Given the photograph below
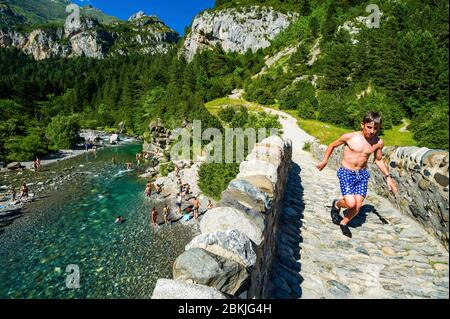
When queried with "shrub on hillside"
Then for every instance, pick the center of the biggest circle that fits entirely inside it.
(63, 131)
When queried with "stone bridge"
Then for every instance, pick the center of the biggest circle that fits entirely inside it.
(272, 235)
(391, 255)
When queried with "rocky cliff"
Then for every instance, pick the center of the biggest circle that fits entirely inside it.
(142, 34)
(235, 30)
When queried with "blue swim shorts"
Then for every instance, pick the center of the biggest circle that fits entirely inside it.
(353, 182)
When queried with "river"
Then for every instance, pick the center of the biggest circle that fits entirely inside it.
(74, 225)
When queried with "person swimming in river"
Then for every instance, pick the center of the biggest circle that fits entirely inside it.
(148, 189)
(154, 216)
(129, 165)
(114, 159)
(138, 158)
(119, 220)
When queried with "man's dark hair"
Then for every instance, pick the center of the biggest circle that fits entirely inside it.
(372, 117)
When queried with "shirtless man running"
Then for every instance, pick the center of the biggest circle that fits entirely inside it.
(353, 175)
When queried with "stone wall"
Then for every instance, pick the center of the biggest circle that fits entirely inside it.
(232, 256)
(422, 177)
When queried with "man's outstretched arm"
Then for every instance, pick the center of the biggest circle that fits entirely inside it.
(383, 168)
(342, 140)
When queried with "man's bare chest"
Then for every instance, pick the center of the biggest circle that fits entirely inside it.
(357, 145)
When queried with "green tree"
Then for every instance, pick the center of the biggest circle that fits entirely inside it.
(63, 131)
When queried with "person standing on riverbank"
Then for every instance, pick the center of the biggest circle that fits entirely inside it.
(13, 194)
(154, 217)
(24, 191)
(148, 189)
(196, 204)
(166, 212)
(36, 164)
(179, 201)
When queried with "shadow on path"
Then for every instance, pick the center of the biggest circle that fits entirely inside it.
(285, 277)
(361, 218)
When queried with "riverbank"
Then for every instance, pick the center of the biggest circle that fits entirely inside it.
(99, 139)
(73, 223)
(54, 174)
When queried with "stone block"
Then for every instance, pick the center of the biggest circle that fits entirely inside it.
(230, 244)
(199, 266)
(176, 289)
(227, 218)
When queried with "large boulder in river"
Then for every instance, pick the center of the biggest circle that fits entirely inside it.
(199, 266)
(114, 139)
(14, 165)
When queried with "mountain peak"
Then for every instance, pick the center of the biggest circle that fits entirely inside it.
(137, 16)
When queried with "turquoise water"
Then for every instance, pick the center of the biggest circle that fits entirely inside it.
(75, 226)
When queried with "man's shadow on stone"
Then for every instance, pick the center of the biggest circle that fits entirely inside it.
(361, 218)
(285, 277)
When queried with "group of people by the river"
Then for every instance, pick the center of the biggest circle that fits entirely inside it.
(146, 156)
(183, 195)
(24, 193)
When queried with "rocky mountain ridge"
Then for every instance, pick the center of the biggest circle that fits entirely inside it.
(236, 29)
(87, 37)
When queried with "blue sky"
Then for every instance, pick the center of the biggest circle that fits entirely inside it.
(177, 14)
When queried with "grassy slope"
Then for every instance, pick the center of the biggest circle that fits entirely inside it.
(214, 106)
(45, 11)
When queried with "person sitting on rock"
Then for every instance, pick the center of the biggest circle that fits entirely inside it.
(158, 189)
(210, 205)
(187, 189)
